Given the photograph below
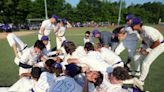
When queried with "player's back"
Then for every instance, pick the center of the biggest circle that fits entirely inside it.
(152, 33)
(95, 61)
(45, 81)
(65, 84)
(80, 52)
(109, 56)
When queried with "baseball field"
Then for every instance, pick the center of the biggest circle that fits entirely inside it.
(9, 70)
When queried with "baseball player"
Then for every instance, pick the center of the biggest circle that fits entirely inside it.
(66, 83)
(104, 37)
(26, 84)
(108, 56)
(116, 79)
(93, 59)
(47, 77)
(130, 41)
(15, 42)
(59, 32)
(87, 37)
(152, 46)
(46, 27)
(31, 57)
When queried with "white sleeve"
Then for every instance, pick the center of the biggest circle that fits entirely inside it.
(153, 35)
(61, 31)
(43, 24)
(48, 53)
(25, 57)
(11, 40)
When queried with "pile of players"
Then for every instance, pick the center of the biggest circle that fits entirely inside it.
(94, 67)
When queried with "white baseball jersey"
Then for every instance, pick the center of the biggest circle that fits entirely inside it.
(61, 31)
(107, 86)
(29, 57)
(95, 61)
(48, 27)
(13, 39)
(80, 52)
(109, 56)
(68, 56)
(24, 84)
(46, 79)
(65, 84)
(60, 36)
(150, 35)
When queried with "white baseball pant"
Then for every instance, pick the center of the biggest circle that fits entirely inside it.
(148, 60)
(59, 41)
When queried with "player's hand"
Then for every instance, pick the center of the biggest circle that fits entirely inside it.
(17, 56)
(35, 65)
(43, 58)
(144, 52)
(59, 51)
(138, 51)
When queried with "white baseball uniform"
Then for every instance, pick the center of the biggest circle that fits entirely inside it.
(29, 57)
(24, 84)
(44, 82)
(111, 58)
(65, 84)
(149, 35)
(13, 39)
(60, 37)
(48, 27)
(95, 61)
(80, 51)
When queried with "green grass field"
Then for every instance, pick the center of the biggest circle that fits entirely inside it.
(9, 71)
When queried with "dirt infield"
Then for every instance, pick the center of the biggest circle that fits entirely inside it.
(20, 33)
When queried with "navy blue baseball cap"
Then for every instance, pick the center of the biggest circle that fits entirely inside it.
(57, 65)
(44, 38)
(6, 28)
(64, 21)
(136, 21)
(94, 32)
(55, 17)
(129, 17)
(73, 69)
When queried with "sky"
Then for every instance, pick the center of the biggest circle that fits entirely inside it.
(128, 2)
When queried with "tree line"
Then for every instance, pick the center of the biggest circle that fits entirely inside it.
(18, 11)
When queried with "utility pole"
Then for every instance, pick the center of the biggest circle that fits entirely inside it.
(119, 15)
(45, 5)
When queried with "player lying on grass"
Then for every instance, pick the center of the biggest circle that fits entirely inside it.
(38, 80)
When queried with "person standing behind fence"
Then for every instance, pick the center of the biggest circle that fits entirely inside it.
(46, 27)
